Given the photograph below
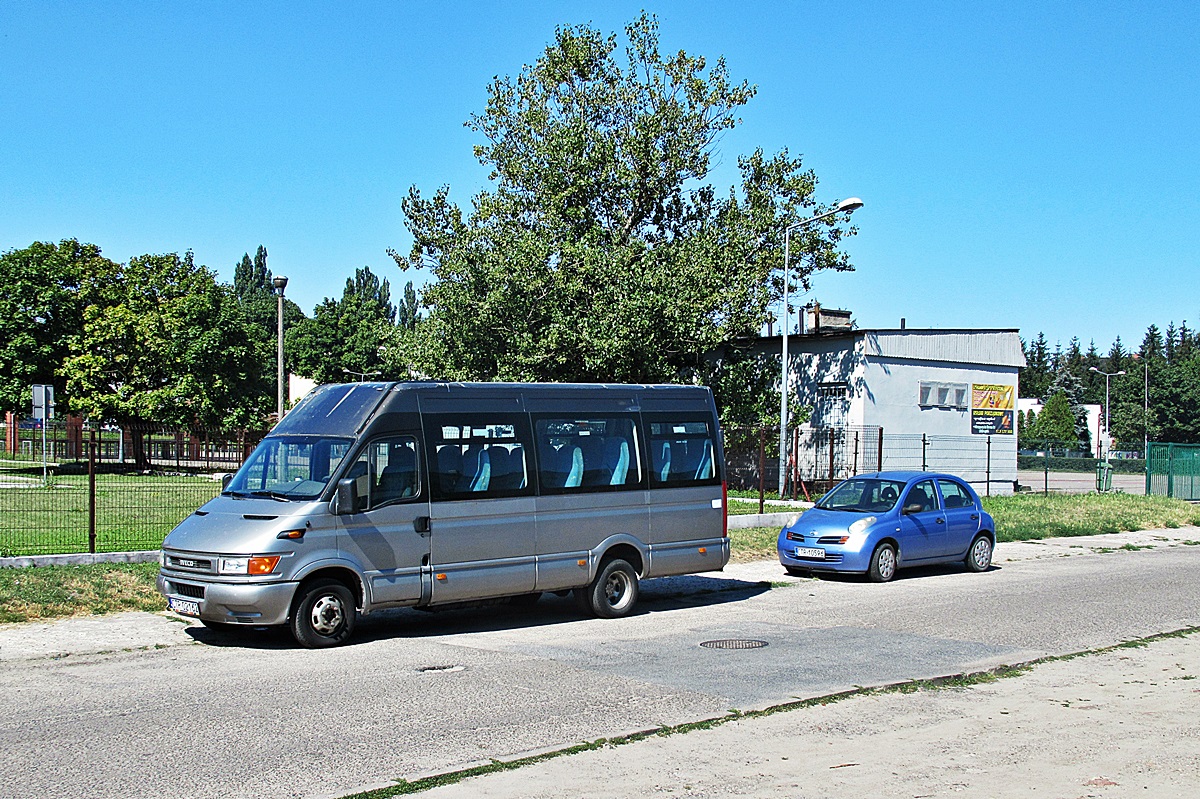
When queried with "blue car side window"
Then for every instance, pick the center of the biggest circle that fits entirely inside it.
(921, 495)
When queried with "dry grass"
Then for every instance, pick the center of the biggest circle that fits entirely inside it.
(55, 591)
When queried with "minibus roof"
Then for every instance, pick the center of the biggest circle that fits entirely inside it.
(343, 409)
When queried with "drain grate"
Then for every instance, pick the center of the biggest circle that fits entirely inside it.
(733, 643)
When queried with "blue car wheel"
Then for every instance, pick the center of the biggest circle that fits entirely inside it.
(883, 563)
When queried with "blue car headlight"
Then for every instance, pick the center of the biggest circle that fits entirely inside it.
(861, 525)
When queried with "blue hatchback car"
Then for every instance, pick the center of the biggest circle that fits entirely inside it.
(877, 523)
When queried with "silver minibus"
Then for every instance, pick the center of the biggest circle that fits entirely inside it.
(422, 494)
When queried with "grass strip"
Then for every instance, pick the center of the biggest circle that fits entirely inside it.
(966, 680)
(47, 592)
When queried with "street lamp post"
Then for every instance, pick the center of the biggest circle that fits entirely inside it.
(360, 375)
(1107, 418)
(848, 206)
(280, 282)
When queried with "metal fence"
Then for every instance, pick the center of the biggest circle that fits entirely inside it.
(139, 446)
(106, 490)
(816, 459)
(1173, 470)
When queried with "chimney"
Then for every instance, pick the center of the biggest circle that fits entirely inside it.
(901, 322)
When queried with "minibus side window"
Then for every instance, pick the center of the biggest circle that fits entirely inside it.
(587, 453)
(682, 453)
(474, 456)
(386, 472)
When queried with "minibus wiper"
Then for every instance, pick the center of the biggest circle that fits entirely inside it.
(278, 496)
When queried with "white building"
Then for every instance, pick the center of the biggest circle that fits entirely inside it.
(939, 400)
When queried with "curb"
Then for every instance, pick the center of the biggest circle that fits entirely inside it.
(81, 559)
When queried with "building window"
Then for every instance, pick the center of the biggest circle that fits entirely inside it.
(931, 394)
(833, 390)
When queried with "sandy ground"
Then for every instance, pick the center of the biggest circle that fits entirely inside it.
(1121, 723)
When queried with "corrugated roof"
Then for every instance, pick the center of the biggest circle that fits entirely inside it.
(991, 347)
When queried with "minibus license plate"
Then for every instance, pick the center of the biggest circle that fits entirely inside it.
(184, 606)
(810, 552)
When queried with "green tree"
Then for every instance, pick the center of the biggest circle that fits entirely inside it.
(259, 306)
(407, 314)
(1067, 383)
(347, 334)
(1037, 374)
(600, 254)
(1056, 422)
(161, 343)
(39, 312)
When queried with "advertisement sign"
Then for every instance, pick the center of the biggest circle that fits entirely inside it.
(992, 408)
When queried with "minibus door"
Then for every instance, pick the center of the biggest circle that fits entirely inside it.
(389, 535)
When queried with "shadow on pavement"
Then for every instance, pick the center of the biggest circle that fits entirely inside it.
(656, 596)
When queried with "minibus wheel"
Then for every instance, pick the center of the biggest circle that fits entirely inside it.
(324, 614)
(613, 593)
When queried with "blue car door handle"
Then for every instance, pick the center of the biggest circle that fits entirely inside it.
(941, 521)
(974, 517)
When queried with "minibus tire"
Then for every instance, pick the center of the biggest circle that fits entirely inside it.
(324, 614)
(613, 593)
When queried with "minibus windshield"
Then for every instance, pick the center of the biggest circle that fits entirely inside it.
(289, 467)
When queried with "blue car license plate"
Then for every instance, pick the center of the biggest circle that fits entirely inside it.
(811, 553)
(183, 606)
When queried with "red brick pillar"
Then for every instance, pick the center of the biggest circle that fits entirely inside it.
(12, 442)
(75, 437)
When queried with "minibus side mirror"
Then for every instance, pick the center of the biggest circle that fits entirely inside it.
(347, 496)
(226, 479)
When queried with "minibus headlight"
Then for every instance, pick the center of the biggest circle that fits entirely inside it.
(162, 557)
(263, 564)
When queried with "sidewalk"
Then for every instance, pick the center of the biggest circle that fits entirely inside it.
(1121, 723)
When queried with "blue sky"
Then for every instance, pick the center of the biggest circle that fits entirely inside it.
(1024, 165)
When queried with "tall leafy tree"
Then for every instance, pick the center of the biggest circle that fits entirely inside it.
(600, 253)
(161, 342)
(40, 311)
(347, 334)
(255, 294)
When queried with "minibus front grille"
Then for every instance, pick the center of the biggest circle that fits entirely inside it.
(185, 563)
(183, 589)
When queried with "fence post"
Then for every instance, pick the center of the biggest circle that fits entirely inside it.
(92, 491)
(832, 433)
(762, 466)
(1046, 472)
(879, 464)
(795, 464)
(854, 469)
(988, 474)
(924, 446)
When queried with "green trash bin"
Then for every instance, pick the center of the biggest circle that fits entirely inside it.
(1104, 476)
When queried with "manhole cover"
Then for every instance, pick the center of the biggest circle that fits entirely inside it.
(734, 643)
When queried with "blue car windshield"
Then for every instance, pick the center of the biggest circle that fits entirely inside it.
(289, 467)
(863, 495)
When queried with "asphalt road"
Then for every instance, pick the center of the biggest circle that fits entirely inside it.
(172, 710)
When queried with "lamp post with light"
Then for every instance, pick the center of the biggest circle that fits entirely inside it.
(360, 375)
(280, 282)
(1107, 418)
(847, 206)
